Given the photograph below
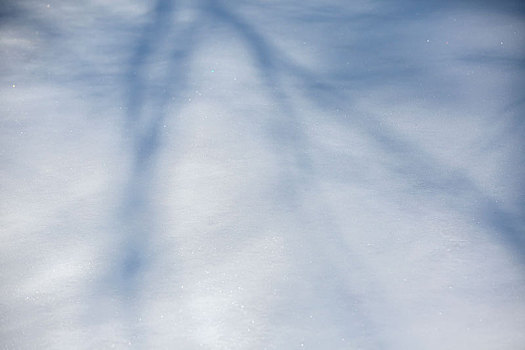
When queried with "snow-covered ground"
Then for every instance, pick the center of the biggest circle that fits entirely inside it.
(274, 174)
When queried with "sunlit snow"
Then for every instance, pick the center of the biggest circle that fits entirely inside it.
(278, 174)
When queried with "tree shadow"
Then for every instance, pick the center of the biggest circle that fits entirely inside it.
(148, 100)
(155, 76)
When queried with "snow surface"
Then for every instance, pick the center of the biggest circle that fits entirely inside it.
(271, 174)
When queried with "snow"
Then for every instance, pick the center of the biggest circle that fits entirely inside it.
(262, 175)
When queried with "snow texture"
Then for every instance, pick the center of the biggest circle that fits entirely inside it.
(277, 174)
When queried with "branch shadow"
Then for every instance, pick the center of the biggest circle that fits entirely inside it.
(150, 101)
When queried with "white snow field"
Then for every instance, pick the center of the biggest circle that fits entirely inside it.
(262, 174)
